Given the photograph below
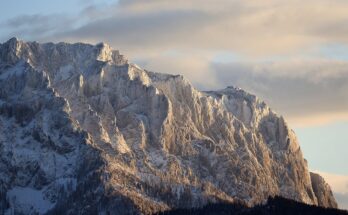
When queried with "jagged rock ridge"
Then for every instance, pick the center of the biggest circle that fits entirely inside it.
(82, 130)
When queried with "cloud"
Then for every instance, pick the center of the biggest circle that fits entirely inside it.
(195, 68)
(306, 92)
(141, 31)
(253, 28)
(36, 26)
(339, 186)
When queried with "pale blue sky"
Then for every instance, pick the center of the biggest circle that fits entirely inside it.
(19, 7)
(294, 55)
(326, 146)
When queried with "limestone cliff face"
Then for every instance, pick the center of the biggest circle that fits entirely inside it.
(83, 130)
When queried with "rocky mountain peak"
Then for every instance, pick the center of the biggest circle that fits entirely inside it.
(106, 54)
(80, 119)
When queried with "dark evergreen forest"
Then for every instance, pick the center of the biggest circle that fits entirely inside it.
(274, 206)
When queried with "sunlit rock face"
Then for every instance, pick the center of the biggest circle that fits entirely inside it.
(82, 130)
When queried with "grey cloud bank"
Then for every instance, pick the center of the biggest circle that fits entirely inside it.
(298, 89)
(254, 28)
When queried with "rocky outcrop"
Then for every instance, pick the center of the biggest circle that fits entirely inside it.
(322, 191)
(82, 130)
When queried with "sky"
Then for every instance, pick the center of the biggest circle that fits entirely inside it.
(292, 54)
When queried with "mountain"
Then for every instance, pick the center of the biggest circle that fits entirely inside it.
(83, 131)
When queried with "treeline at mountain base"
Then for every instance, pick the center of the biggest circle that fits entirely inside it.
(274, 206)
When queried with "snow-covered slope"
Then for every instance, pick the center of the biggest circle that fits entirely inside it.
(84, 131)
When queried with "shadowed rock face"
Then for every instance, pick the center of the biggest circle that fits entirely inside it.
(84, 131)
